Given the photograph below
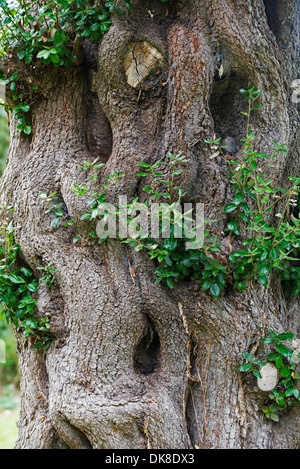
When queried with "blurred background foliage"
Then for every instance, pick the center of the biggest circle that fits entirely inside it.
(9, 376)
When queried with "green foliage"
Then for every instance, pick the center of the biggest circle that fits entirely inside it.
(21, 110)
(47, 31)
(175, 261)
(9, 369)
(287, 391)
(48, 278)
(17, 290)
(55, 208)
(251, 364)
(290, 278)
(95, 193)
(267, 247)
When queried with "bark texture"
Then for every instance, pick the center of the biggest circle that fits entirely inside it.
(136, 365)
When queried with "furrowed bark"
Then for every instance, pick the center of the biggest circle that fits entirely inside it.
(136, 365)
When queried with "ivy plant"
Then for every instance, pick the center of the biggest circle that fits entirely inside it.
(174, 260)
(47, 31)
(287, 390)
(48, 278)
(18, 288)
(267, 244)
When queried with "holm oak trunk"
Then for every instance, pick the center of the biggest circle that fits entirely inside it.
(136, 364)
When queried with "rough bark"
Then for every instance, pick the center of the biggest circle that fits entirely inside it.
(101, 384)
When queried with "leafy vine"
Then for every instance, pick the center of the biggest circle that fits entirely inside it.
(284, 360)
(264, 248)
(49, 32)
(18, 288)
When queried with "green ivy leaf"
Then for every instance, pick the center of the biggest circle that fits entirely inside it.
(206, 283)
(256, 373)
(16, 278)
(230, 208)
(263, 280)
(284, 351)
(286, 336)
(248, 356)
(285, 371)
(215, 290)
(26, 272)
(245, 367)
(27, 129)
(241, 286)
(170, 282)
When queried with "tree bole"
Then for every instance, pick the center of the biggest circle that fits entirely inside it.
(135, 364)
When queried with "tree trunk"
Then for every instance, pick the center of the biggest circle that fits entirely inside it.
(135, 364)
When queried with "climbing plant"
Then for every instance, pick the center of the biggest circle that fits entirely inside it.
(263, 247)
(18, 289)
(284, 359)
(49, 32)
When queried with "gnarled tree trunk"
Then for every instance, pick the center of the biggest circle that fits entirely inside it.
(135, 364)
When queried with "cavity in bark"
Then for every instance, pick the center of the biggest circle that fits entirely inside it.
(147, 353)
(98, 130)
(72, 436)
(272, 7)
(226, 105)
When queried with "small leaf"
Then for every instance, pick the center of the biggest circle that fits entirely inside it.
(230, 208)
(285, 371)
(286, 336)
(55, 222)
(206, 284)
(239, 197)
(278, 362)
(232, 226)
(264, 280)
(284, 351)
(16, 279)
(170, 282)
(26, 272)
(272, 356)
(274, 417)
(241, 286)
(256, 373)
(32, 287)
(245, 367)
(215, 290)
(248, 356)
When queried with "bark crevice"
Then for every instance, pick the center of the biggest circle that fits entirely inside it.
(146, 356)
(226, 106)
